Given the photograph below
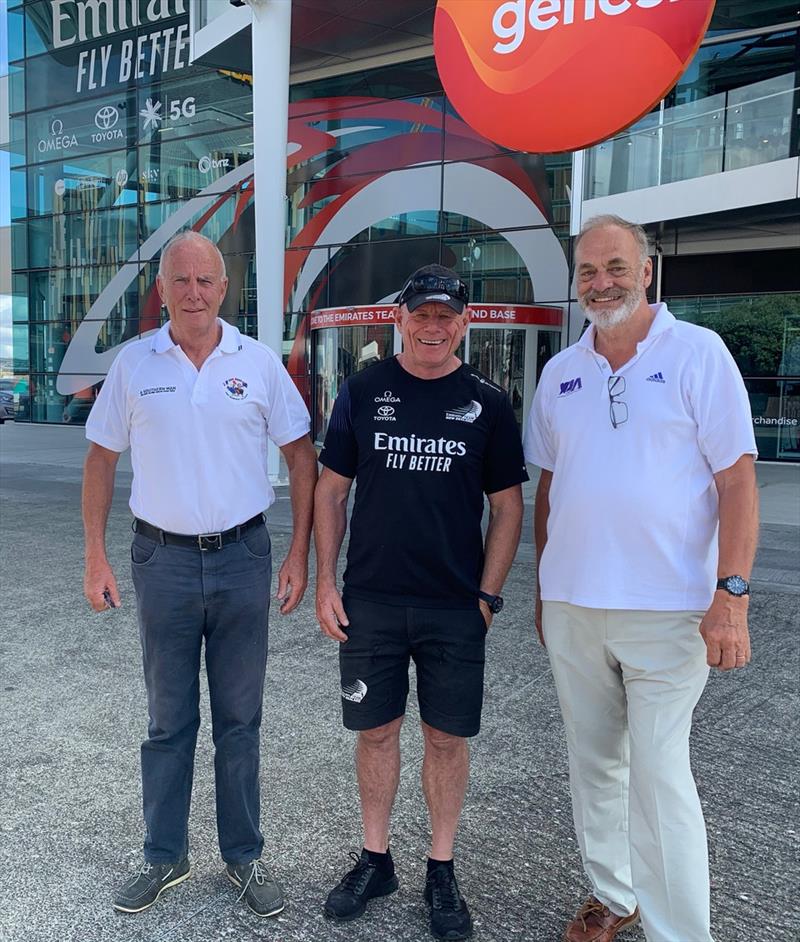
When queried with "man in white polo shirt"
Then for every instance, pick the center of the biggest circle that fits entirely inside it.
(645, 523)
(196, 403)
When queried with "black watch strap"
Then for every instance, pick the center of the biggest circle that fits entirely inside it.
(495, 602)
(734, 585)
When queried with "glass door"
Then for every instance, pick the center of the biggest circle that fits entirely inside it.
(499, 353)
(339, 352)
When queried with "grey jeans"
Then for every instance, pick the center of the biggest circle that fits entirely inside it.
(184, 596)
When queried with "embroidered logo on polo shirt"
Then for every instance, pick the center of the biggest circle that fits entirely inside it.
(354, 692)
(571, 386)
(656, 378)
(467, 413)
(157, 389)
(387, 397)
(235, 388)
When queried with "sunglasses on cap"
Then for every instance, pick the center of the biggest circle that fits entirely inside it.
(422, 284)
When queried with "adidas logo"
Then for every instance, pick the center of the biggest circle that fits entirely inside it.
(656, 378)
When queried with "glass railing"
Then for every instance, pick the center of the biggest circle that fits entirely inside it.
(739, 128)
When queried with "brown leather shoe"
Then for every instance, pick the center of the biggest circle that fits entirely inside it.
(596, 923)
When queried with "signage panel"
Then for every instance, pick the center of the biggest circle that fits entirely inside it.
(485, 315)
(97, 47)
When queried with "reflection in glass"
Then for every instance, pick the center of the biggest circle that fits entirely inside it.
(338, 353)
(759, 122)
(763, 334)
(75, 185)
(78, 239)
(742, 127)
(499, 353)
(179, 169)
(492, 267)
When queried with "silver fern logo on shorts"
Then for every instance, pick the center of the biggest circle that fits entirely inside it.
(354, 692)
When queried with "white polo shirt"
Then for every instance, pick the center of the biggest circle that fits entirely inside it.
(633, 509)
(198, 439)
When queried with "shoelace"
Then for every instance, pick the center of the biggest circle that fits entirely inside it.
(146, 868)
(590, 908)
(358, 877)
(259, 873)
(444, 892)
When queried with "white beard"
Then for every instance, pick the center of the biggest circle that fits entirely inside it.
(610, 318)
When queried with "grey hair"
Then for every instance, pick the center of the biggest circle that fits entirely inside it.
(602, 222)
(189, 235)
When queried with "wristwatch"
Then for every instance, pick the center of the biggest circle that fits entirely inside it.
(734, 585)
(495, 602)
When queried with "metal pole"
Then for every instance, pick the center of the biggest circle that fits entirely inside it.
(271, 33)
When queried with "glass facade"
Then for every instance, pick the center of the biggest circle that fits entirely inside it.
(763, 334)
(735, 106)
(117, 141)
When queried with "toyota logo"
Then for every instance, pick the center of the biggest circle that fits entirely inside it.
(385, 410)
(106, 117)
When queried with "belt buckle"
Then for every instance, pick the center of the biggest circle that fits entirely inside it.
(209, 541)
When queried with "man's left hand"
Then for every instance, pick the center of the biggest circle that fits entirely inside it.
(486, 612)
(724, 630)
(292, 581)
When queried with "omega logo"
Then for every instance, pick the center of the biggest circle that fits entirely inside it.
(57, 140)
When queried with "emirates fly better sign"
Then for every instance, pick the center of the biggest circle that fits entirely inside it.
(556, 75)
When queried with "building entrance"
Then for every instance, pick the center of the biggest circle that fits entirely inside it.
(508, 343)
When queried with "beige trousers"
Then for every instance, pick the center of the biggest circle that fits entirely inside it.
(628, 682)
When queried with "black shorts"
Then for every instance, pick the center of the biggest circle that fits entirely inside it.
(448, 647)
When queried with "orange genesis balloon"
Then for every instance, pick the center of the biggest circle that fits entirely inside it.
(555, 75)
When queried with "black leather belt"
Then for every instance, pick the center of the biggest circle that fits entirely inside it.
(203, 541)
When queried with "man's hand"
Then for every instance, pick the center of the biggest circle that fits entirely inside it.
(98, 579)
(724, 630)
(330, 611)
(538, 620)
(486, 612)
(292, 580)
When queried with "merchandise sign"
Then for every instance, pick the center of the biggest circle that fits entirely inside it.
(556, 75)
(495, 315)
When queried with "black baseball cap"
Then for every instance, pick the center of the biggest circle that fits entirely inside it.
(434, 283)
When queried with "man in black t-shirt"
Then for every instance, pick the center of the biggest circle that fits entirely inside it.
(425, 436)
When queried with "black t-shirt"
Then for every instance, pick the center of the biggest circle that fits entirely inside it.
(423, 452)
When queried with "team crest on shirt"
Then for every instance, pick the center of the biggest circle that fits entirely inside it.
(235, 388)
(467, 413)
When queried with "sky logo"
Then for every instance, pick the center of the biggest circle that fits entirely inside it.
(571, 386)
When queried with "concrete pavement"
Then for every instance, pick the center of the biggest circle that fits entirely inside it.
(74, 713)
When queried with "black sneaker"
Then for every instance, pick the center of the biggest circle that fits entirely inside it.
(262, 893)
(349, 898)
(449, 914)
(144, 888)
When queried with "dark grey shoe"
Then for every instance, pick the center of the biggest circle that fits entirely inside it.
(349, 898)
(144, 887)
(262, 893)
(450, 917)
